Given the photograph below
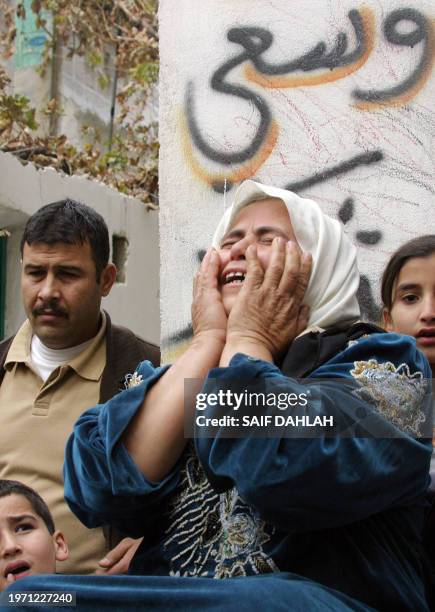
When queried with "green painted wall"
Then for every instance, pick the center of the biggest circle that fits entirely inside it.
(30, 40)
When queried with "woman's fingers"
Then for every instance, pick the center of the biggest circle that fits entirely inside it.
(198, 276)
(275, 269)
(208, 313)
(212, 270)
(207, 275)
(299, 286)
(268, 309)
(254, 272)
(291, 270)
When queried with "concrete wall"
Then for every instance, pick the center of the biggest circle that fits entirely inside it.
(83, 101)
(333, 99)
(81, 98)
(23, 190)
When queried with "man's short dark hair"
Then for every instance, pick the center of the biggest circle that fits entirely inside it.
(13, 487)
(70, 222)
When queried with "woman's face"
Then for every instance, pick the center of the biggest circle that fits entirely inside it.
(257, 223)
(413, 304)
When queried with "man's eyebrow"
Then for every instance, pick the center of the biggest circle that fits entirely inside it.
(31, 266)
(70, 268)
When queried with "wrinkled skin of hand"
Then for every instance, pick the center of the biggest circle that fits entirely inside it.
(208, 314)
(268, 311)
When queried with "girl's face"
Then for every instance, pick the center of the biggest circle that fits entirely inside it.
(413, 305)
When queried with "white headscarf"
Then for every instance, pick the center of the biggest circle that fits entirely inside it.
(331, 291)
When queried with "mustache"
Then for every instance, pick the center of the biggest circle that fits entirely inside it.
(52, 308)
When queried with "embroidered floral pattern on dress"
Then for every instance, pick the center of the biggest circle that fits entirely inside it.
(213, 534)
(396, 393)
(132, 380)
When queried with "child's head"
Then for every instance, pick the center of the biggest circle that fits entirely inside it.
(29, 543)
(408, 293)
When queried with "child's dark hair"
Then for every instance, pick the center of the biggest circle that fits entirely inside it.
(13, 487)
(423, 246)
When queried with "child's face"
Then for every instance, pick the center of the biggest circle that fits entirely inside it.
(413, 309)
(26, 546)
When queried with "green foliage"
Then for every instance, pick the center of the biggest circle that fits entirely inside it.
(145, 73)
(125, 29)
(15, 109)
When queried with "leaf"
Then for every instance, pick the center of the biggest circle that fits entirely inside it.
(30, 119)
(95, 30)
(94, 58)
(103, 81)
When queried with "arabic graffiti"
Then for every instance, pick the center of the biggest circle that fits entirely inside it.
(220, 181)
(346, 211)
(359, 160)
(328, 66)
(219, 83)
(256, 41)
(338, 63)
(370, 310)
(405, 91)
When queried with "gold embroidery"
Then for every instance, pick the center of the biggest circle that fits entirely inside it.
(396, 393)
(132, 380)
(213, 534)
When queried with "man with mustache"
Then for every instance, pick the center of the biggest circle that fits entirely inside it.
(66, 357)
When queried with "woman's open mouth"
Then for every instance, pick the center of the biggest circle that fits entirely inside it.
(233, 278)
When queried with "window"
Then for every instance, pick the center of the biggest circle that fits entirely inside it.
(119, 257)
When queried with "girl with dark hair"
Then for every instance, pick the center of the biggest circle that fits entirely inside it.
(408, 297)
(408, 293)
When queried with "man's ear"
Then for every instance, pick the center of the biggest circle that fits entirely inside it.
(108, 277)
(386, 321)
(61, 546)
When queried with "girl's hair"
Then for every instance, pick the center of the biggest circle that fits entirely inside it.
(423, 246)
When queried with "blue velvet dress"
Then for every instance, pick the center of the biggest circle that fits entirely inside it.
(322, 522)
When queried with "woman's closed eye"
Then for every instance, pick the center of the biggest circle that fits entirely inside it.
(227, 244)
(266, 239)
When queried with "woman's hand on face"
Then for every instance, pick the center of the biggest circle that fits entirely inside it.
(208, 314)
(268, 312)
